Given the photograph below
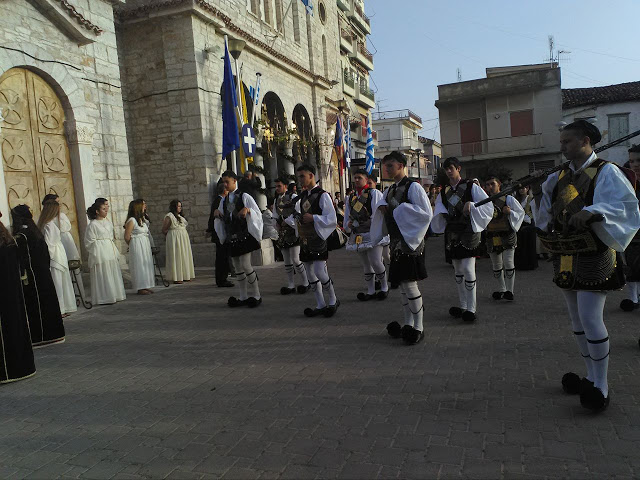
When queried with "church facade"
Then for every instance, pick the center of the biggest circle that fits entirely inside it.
(122, 100)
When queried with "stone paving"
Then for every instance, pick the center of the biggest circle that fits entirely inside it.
(173, 386)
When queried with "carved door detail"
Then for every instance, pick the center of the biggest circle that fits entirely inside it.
(35, 154)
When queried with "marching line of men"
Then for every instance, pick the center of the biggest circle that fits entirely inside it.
(586, 215)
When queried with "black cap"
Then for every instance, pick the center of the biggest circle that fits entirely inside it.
(587, 129)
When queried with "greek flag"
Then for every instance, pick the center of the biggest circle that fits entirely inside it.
(309, 6)
(370, 158)
(347, 154)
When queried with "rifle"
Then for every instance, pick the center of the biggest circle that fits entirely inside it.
(529, 179)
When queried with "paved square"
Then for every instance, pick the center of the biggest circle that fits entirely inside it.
(177, 385)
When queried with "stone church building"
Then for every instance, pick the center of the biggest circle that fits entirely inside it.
(122, 99)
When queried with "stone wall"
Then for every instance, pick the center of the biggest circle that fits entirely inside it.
(83, 69)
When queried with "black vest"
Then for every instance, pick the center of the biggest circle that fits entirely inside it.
(454, 200)
(360, 211)
(499, 224)
(233, 224)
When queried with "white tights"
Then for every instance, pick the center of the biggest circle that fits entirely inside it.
(586, 313)
(504, 266)
(245, 274)
(371, 259)
(319, 280)
(633, 289)
(412, 304)
(465, 270)
(292, 261)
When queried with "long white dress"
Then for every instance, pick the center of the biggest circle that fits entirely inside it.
(59, 267)
(179, 256)
(106, 277)
(69, 244)
(140, 257)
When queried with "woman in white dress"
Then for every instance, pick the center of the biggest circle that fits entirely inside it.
(179, 257)
(136, 234)
(59, 262)
(107, 286)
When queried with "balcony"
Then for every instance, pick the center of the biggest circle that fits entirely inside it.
(363, 56)
(359, 18)
(346, 40)
(404, 114)
(365, 96)
(348, 82)
(344, 5)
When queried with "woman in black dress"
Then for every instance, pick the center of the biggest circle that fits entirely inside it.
(43, 308)
(525, 256)
(16, 355)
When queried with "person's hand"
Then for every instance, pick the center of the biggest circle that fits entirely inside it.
(244, 212)
(467, 209)
(307, 218)
(506, 210)
(579, 220)
(217, 214)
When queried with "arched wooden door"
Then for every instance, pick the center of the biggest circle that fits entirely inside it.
(34, 148)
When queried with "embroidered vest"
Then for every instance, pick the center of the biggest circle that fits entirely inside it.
(396, 195)
(454, 200)
(500, 222)
(360, 211)
(309, 203)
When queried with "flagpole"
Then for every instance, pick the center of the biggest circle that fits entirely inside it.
(255, 101)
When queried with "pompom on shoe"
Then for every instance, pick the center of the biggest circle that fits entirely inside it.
(628, 305)
(456, 312)
(233, 302)
(508, 296)
(382, 295)
(287, 290)
(394, 330)
(302, 289)
(497, 295)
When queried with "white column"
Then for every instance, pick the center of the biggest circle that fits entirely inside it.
(259, 162)
(288, 165)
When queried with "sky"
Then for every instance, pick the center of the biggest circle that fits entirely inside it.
(420, 44)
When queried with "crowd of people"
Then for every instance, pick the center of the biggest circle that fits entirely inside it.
(35, 260)
(585, 214)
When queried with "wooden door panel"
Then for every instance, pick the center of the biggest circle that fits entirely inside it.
(53, 155)
(48, 108)
(14, 100)
(22, 189)
(17, 152)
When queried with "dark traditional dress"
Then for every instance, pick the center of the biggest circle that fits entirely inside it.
(283, 207)
(43, 308)
(526, 257)
(16, 354)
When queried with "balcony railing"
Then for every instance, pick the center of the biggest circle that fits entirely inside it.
(405, 113)
(366, 53)
(366, 91)
(360, 12)
(346, 34)
(349, 78)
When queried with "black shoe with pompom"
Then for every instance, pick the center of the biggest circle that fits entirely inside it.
(287, 290)
(456, 312)
(593, 399)
(627, 305)
(394, 330)
(303, 289)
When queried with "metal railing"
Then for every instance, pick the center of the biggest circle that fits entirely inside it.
(361, 13)
(349, 78)
(363, 50)
(366, 91)
(391, 114)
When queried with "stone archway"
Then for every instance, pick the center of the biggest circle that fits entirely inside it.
(274, 121)
(303, 148)
(35, 152)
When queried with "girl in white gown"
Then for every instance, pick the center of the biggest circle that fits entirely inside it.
(107, 286)
(179, 257)
(59, 262)
(136, 234)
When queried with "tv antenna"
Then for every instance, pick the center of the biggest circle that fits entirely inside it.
(459, 74)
